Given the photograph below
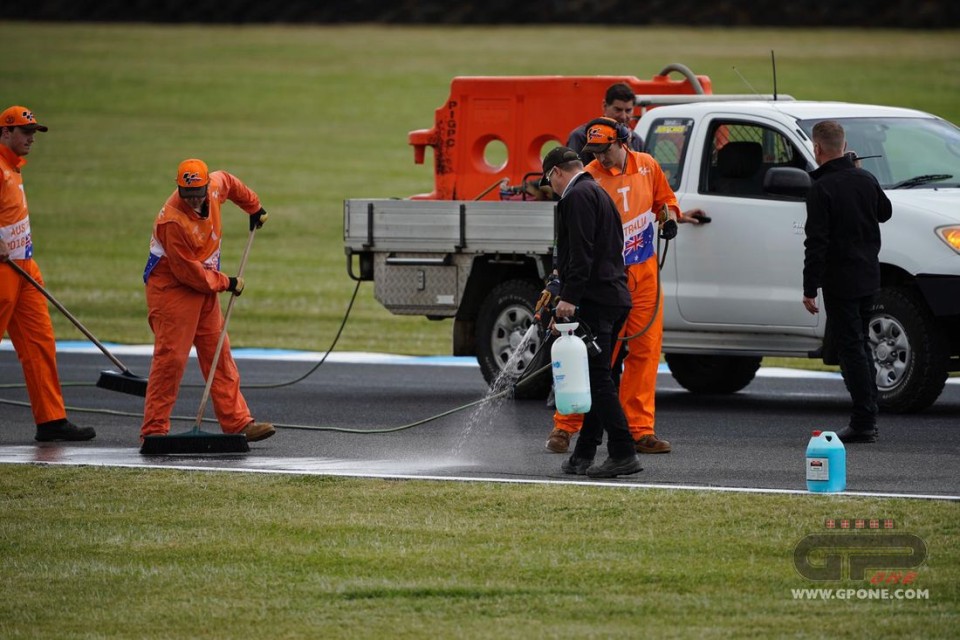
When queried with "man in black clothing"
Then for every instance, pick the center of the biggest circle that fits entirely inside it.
(845, 207)
(618, 104)
(594, 290)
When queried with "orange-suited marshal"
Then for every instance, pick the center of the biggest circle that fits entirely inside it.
(23, 309)
(183, 279)
(638, 187)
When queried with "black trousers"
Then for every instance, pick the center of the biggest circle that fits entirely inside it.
(849, 320)
(606, 414)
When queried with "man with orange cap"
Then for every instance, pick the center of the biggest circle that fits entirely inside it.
(183, 279)
(23, 309)
(643, 197)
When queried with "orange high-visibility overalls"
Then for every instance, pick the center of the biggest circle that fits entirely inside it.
(23, 309)
(639, 192)
(183, 279)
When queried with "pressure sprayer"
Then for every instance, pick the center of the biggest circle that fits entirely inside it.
(571, 371)
(570, 356)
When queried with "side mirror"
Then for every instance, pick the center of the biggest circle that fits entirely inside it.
(787, 181)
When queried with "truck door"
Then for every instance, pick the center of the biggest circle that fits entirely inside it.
(745, 267)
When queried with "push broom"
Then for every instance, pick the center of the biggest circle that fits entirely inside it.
(195, 440)
(123, 381)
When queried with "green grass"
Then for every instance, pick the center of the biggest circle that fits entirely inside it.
(93, 553)
(310, 116)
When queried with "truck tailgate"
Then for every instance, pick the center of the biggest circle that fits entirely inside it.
(448, 226)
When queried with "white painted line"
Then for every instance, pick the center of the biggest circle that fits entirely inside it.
(338, 467)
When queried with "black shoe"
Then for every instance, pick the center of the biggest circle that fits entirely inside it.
(576, 466)
(849, 434)
(612, 468)
(63, 430)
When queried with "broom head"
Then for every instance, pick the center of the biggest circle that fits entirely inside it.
(194, 442)
(124, 382)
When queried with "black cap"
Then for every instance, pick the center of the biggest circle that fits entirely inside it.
(557, 155)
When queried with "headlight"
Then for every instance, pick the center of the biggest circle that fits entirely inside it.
(950, 235)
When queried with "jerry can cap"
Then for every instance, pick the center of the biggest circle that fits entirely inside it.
(817, 433)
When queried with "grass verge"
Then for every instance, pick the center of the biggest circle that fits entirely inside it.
(165, 554)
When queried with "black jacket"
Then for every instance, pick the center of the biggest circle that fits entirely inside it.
(845, 207)
(590, 246)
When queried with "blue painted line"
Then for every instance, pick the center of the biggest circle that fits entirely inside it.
(361, 357)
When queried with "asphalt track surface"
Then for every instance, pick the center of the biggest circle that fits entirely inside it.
(754, 440)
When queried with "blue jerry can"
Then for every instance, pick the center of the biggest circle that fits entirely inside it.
(826, 463)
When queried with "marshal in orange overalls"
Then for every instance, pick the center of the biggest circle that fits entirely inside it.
(639, 191)
(23, 309)
(183, 279)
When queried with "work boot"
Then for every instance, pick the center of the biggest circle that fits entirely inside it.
(849, 434)
(256, 431)
(559, 441)
(576, 466)
(611, 468)
(63, 430)
(652, 444)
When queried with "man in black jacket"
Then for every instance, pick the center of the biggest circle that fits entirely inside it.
(594, 290)
(845, 207)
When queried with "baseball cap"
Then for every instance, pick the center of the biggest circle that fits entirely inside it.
(18, 116)
(192, 178)
(557, 155)
(599, 137)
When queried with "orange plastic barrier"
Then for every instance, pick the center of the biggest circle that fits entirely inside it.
(523, 113)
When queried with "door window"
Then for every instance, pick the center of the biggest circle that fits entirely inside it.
(739, 154)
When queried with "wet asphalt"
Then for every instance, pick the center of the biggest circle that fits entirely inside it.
(754, 439)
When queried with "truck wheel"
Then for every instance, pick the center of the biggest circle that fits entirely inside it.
(909, 350)
(503, 321)
(712, 374)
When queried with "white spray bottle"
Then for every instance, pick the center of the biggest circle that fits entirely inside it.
(571, 373)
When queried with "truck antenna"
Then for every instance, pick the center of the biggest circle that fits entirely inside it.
(773, 62)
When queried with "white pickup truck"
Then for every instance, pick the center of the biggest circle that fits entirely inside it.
(732, 287)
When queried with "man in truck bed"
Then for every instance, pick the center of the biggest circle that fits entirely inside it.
(618, 104)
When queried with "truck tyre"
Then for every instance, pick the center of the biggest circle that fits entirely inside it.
(504, 318)
(909, 349)
(712, 374)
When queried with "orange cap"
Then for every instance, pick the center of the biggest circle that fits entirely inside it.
(192, 173)
(599, 137)
(17, 116)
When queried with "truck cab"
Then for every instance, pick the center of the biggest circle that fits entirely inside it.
(733, 287)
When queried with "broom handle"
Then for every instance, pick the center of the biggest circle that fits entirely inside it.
(223, 335)
(69, 315)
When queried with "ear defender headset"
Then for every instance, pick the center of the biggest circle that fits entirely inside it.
(622, 133)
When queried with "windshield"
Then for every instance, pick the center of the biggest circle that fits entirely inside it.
(914, 153)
